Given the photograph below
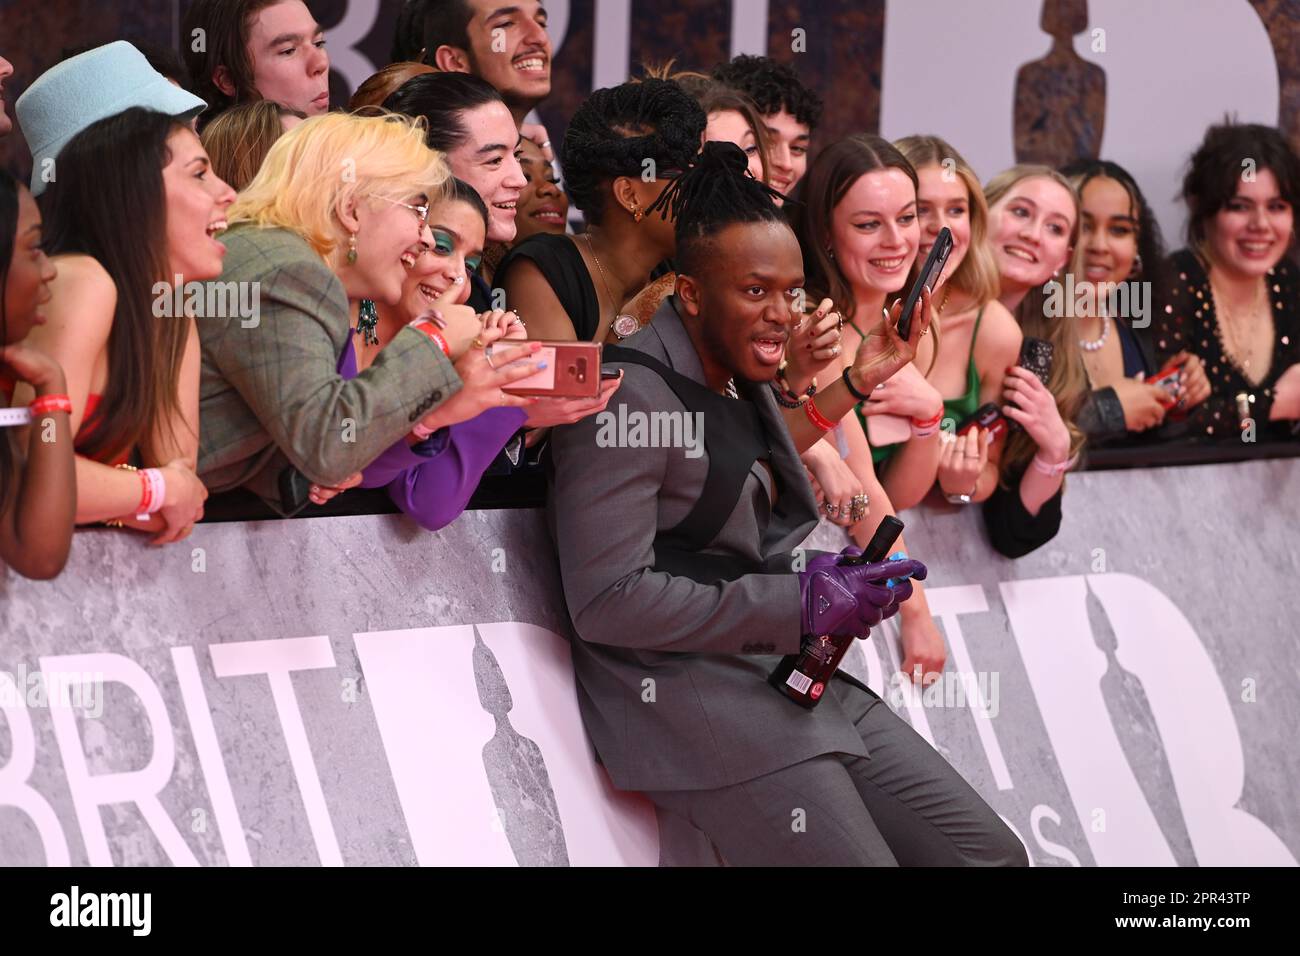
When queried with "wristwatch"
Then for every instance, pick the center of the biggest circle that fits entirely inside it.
(958, 499)
(625, 325)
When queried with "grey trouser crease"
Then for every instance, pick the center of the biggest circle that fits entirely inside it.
(903, 806)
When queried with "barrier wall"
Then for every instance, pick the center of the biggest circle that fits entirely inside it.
(357, 691)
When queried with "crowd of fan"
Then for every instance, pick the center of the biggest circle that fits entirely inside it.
(384, 270)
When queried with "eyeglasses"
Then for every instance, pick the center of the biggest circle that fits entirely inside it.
(421, 211)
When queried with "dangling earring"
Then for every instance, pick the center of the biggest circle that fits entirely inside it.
(637, 214)
(830, 253)
(352, 249)
(367, 318)
(1137, 266)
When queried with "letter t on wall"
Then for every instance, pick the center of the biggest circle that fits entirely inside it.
(277, 659)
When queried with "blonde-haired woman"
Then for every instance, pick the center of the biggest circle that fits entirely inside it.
(980, 338)
(1033, 228)
(238, 139)
(338, 213)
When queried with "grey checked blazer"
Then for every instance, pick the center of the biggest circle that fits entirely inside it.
(672, 673)
(270, 396)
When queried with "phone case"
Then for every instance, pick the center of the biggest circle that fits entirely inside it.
(572, 371)
(1036, 357)
(885, 430)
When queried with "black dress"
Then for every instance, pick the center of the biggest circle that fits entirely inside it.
(1188, 321)
(562, 265)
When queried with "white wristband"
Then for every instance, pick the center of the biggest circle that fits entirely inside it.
(1053, 470)
(157, 492)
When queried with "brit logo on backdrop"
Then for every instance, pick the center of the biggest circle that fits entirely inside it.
(1086, 707)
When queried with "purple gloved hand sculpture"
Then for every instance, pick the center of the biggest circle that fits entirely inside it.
(849, 600)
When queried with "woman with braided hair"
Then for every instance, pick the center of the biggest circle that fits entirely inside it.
(622, 146)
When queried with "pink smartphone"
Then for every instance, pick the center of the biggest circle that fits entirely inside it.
(572, 371)
(885, 430)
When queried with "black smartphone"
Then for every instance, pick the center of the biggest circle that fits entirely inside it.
(1036, 356)
(877, 548)
(927, 277)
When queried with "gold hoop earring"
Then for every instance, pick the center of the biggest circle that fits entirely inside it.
(352, 249)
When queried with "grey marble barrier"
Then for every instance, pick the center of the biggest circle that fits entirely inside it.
(1125, 694)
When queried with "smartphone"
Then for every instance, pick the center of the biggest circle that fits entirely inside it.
(1036, 357)
(927, 278)
(1169, 379)
(884, 430)
(609, 374)
(572, 371)
(887, 533)
(989, 417)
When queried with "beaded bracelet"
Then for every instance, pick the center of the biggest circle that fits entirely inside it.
(782, 397)
(783, 389)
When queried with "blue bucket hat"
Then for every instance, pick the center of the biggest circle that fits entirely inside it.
(89, 87)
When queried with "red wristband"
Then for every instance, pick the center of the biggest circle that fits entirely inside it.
(427, 327)
(816, 417)
(45, 404)
(927, 423)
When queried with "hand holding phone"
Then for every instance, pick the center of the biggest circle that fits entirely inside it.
(927, 278)
(572, 371)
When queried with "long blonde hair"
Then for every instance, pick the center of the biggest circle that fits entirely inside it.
(1068, 381)
(977, 276)
(332, 158)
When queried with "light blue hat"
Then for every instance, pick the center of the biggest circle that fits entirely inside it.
(84, 89)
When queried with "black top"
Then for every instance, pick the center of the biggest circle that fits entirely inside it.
(1188, 321)
(1101, 417)
(562, 265)
(1013, 531)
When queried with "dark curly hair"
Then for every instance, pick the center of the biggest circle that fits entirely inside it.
(715, 192)
(1216, 167)
(772, 86)
(1150, 245)
(617, 129)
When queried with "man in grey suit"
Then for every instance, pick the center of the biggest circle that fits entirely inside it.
(678, 574)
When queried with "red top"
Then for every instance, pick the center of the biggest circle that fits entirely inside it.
(83, 433)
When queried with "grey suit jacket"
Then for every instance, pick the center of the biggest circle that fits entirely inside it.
(270, 395)
(672, 673)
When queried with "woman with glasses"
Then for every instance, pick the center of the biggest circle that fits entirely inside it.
(338, 213)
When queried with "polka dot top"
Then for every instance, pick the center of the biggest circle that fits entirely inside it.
(1188, 321)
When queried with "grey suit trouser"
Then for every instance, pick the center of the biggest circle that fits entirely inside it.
(903, 806)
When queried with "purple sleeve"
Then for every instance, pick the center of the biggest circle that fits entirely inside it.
(436, 489)
(400, 457)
